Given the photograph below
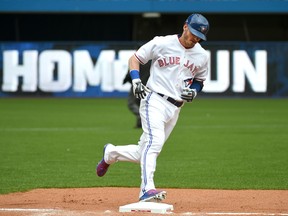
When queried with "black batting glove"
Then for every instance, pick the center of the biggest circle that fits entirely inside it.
(139, 89)
(188, 94)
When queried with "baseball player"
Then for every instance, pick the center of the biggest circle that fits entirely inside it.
(178, 69)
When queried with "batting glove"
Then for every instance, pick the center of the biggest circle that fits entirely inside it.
(139, 89)
(188, 94)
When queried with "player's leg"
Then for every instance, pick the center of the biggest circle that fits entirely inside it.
(128, 153)
(132, 152)
(148, 160)
(154, 114)
(169, 126)
(149, 157)
(113, 154)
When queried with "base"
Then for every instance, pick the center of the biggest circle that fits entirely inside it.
(150, 207)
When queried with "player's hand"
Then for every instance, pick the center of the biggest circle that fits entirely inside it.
(188, 94)
(139, 89)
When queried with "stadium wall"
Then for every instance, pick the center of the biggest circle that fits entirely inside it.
(238, 69)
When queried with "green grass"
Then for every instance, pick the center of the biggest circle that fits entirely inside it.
(217, 143)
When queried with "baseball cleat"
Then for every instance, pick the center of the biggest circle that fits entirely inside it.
(102, 166)
(153, 196)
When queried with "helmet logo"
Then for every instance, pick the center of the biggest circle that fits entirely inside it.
(203, 29)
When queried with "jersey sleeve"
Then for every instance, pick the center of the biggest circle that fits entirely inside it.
(145, 52)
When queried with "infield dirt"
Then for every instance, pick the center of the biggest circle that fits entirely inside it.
(106, 201)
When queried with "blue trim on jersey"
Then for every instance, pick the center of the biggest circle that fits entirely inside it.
(198, 85)
(150, 140)
(134, 74)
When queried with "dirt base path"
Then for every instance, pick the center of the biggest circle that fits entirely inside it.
(106, 201)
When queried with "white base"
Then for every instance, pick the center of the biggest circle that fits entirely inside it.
(150, 207)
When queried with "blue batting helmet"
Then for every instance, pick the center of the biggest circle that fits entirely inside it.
(198, 25)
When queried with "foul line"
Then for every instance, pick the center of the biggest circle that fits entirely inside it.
(28, 210)
(235, 213)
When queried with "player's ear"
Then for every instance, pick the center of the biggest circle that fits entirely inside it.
(185, 27)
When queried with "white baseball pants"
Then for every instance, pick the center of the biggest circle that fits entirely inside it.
(158, 118)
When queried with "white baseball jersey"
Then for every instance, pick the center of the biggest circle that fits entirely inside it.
(173, 67)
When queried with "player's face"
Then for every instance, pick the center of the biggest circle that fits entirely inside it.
(188, 40)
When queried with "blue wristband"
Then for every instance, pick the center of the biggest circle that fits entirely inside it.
(197, 85)
(134, 74)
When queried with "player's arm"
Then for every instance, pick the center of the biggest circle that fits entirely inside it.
(134, 64)
(139, 89)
